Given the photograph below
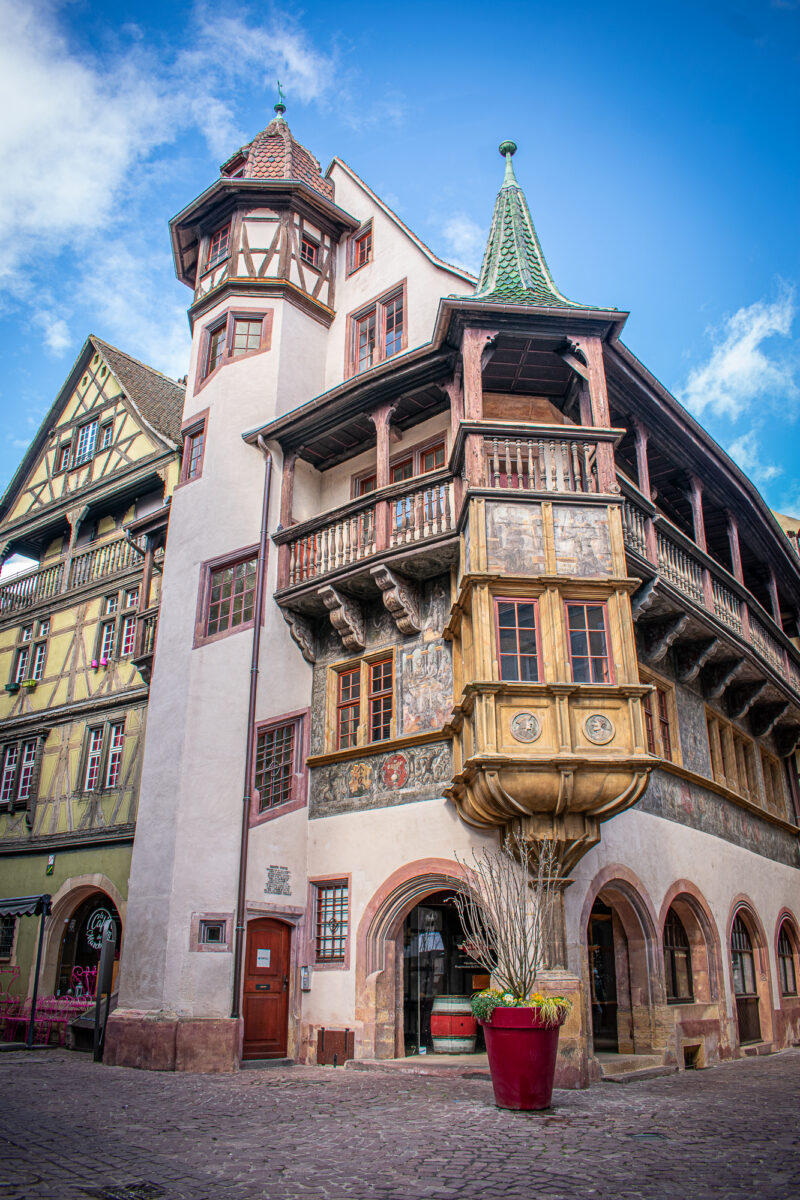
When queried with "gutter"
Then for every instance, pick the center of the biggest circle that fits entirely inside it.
(241, 900)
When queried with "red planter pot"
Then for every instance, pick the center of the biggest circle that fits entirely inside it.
(522, 1058)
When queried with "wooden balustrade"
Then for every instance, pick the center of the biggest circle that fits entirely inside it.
(339, 544)
(542, 464)
(106, 559)
(766, 645)
(680, 568)
(634, 528)
(727, 606)
(424, 513)
(23, 590)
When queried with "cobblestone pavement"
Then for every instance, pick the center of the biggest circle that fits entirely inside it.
(72, 1129)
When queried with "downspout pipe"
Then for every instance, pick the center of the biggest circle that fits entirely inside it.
(241, 901)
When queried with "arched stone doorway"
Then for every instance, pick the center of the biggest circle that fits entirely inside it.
(625, 984)
(750, 981)
(81, 943)
(66, 901)
(787, 956)
(380, 950)
(693, 978)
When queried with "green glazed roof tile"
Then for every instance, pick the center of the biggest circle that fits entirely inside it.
(514, 268)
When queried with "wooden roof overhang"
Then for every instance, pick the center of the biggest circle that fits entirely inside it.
(219, 201)
(336, 425)
(692, 450)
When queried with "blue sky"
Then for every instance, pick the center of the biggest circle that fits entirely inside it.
(658, 147)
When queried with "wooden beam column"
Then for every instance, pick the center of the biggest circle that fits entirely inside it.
(774, 599)
(286, 518)
(475, 352)
(382, 420)
(592, 349)
(735, 548)
(698, 521)
(643, 479)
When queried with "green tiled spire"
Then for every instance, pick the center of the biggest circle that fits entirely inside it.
(514, 269)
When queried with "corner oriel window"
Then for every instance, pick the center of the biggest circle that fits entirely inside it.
(216, 347)
(517, 644)
(381, 700)
(588, 643)
(659, 721)
(246, 335)
(309, 251)
(232, 336)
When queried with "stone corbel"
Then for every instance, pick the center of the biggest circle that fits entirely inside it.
(742, 699)
(692, 656)
(401, 599)
(302, 632)
(643, 597)
(719, 675)
(659, 636)
(764, 717)
(346, 617)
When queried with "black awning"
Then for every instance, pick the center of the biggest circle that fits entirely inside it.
(25, 906)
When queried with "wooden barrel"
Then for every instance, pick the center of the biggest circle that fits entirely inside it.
(453, 1027)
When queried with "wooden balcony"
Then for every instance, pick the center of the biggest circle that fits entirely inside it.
(721, 600)
(87, 566)
(544, 459)
(144, 645)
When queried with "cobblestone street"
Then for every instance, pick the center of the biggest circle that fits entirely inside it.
(72, 1129)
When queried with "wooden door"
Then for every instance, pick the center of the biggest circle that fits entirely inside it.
(266, 989)
(603, 977)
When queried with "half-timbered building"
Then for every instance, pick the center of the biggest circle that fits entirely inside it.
(88, 507)
(453, 563)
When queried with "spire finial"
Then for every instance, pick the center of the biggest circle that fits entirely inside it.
(280, 107)
(508, 149)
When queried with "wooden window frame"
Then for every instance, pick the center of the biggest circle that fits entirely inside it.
(516, 600)
(301, 722)
(197, 426)
(671, 949)
(211, 262)
(227, 321)
(317, 247)
(62, 448)
(100, 785)
(728, 749)
(609, 656)
(30, 640)
(415, 453)
(376, 306)
(210, 918)
(87, 458)
(315, 885)
(207, 570)
(7, 956)
(14, 801)
(774, 783)
(365, 231)
(665, 688)
(364, 668)
(106, 427)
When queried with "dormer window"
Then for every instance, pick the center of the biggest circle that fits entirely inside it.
(219, 246)
(309, 251)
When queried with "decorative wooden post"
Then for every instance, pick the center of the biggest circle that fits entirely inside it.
(774, 599)
(286, 519)
(592, 349)
(733, 542)
(696, 501)
(382, 420)
(474, 355)
(643, 477)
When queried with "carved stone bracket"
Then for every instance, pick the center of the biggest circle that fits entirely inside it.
(717, 677)
(346, 617)
(643, 597)
(787, 739)
(741, 699)
(302, 631)
(400, 597)
(659, 635)
(691, 656)
(764, 717)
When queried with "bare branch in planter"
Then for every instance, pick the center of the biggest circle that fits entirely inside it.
(506, 906)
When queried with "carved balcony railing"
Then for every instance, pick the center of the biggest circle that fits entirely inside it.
(541, 464)
(144, 645)
(24, 590)
(387, 520)
(707, 584)
(109, 558)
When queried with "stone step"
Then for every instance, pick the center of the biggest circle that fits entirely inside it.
(450, 1066)
(619, 1064)
(643, 1073)
(260, 1064)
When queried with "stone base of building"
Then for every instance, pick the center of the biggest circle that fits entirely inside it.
(157, 1042)
(572, 1064)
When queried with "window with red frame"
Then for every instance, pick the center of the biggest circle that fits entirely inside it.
(332, 921)
(231, 596)
(127, 636)
(432, 458)
(657, 723)
(115, 743)
(393, 326)
(366, 329)
(309, 251)
(377, 333)
(348, 704)
(94, 753)
(381, 697)
(193, 444)
(588, 643)
(218, 246)
(216, 348)
(517, 640)
(276, 764)
(246, 335)
(361, 249)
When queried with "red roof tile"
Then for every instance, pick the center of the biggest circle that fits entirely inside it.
(274, 154)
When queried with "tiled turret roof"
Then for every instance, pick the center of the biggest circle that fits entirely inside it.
(514, 267)
(274, 154)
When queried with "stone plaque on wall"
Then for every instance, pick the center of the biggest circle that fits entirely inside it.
(583, 546)
(279, 882)
(514, 538)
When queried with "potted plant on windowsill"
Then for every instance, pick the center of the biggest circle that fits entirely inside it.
(29, 684)
(505, 908)
(12, 687)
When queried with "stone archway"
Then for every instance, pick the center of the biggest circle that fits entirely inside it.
(701, 1031)
(744, 910)
(379, 964)
(787, 1015)
(640, 998)
(72, 893)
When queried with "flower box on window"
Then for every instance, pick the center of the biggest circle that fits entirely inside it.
(12, 687)
(29, 684)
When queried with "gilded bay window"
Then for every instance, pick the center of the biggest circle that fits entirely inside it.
(588, 641)
(517, 639)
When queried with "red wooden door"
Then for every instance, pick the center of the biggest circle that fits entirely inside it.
(266, 989)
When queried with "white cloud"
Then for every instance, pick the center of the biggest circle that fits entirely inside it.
(745, 451)
(746, 365)
(465, 241)
(57, 336)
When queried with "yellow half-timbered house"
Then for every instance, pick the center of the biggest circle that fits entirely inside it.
(88, 507)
